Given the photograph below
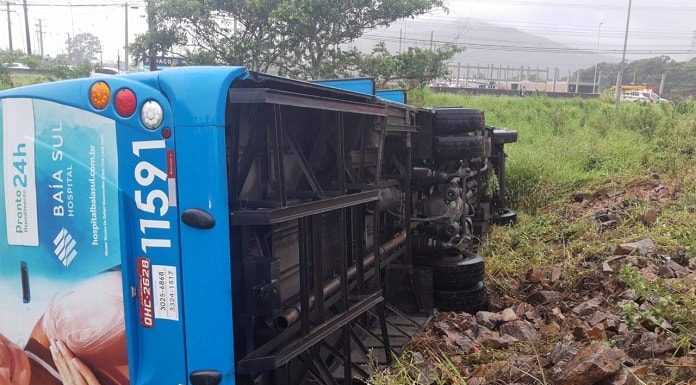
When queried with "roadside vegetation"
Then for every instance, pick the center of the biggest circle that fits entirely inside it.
(587, 181)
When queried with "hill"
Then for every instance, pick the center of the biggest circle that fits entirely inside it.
(484, 43)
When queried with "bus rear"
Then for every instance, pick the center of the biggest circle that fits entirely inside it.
(91, 269)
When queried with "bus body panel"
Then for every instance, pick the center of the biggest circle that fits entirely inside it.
(140, 165)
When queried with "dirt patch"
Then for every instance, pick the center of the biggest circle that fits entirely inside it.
(608, 206)
(629, 319)
(581, 336)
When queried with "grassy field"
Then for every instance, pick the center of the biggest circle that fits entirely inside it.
(18, 80)
(569, 147)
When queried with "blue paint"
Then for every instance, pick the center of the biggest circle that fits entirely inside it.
(360, 85)
(398, 96)
(194, 101)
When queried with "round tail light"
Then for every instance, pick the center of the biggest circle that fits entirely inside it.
(99, 95)
(125, 102)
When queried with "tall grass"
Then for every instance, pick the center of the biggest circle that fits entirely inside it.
(567, 145)
(574, 145)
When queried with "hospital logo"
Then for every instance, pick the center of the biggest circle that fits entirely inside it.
(65, 247)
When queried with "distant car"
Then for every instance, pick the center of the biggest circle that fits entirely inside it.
(106, 71)
(645, 96)
(17, 66)
(634, 97)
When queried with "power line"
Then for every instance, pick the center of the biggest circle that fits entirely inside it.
(537, 49)
(556, 4)
(533, 23)
(463, 25)
(79, 5)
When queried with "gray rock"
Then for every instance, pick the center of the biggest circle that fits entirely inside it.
(591, 365)
(487, 319)
(522, 330)
(507, 315)
(544, 297)
(644, 247)
(588, 307)
(496, 341)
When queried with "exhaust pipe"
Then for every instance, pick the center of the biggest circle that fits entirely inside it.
(333, 285)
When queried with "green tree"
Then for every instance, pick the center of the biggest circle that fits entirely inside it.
(413, 68)
(82, 48)
(680, 77)
(316, 29)
(301, 38)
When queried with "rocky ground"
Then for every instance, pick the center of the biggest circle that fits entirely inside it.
(627, 318)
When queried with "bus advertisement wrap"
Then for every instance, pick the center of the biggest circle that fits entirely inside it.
(61, 294)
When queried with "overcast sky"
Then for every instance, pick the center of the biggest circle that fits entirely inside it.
(665, 26)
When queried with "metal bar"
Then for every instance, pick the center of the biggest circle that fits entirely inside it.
(380, 150)
(324, 372)
(304, 165)
(363, 147)
(304, 275)
(349, 171)
(318, 265)
(284, 214)
(358, 342)
(401, 128)
(403, 315)
(357, 255)
(279, 158)
(282, 376)
(337, 354)
(278, 97)
(319, 333)
(340, 153)
(319, 147)
(380, 318)
(347, 372)
(331, 286)
(408, 210)
(249, 281)
(247, 160)
(378, 278)
(388, 348)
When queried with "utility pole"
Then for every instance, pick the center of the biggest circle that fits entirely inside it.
(623, 57)
(577, 82)
(662, 83)
(26, 27)
(431, 40)
(40, 37)
(594, 79)
(9, 27)
(125, 47)
(459, 73)
(401, 36)
(555, 76)
(152, 50)
(466, 79)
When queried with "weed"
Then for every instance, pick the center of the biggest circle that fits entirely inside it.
(412, 368)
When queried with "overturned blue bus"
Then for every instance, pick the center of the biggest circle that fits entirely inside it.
(212, 225)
